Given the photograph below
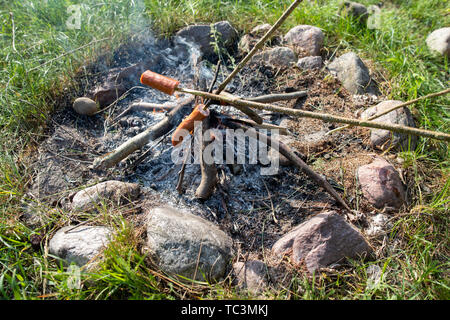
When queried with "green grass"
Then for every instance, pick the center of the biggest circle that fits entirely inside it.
(415, 263)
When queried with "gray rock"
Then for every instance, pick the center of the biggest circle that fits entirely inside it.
(355, 10)
(439, 41)
(202, 36)
(35, 214)
(187, 245)
(378, 225)
(251, 275)
(260, 30)
(276, 57)
(307, 40)
(321, 241)
(384, 139)
(381, 184)
(85, 106)
(353, 74)
(79, 245)
(308, 63)
(55, 175)
(115, 191)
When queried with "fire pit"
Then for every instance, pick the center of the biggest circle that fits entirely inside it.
(237, 159)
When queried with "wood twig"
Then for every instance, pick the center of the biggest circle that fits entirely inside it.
(216, 74)
(264, 125)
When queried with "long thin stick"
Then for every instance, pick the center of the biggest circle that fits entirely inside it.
(216, 74)
(283, 130)
(405, 104)
(322, 116)
(183, 168)
(137, 142)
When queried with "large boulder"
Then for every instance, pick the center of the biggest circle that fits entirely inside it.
(439, 41)
(381, 184)
(306, 40)
(321, 241)
(79, 245)
(116, 191)
(187, 245)
(353, 74)
(384, 139)
(202, 36)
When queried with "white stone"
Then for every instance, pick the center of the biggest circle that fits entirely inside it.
(79, 245)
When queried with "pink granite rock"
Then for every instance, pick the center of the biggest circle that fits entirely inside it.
(381, 184)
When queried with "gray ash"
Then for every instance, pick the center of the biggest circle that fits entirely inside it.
(245, 203)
